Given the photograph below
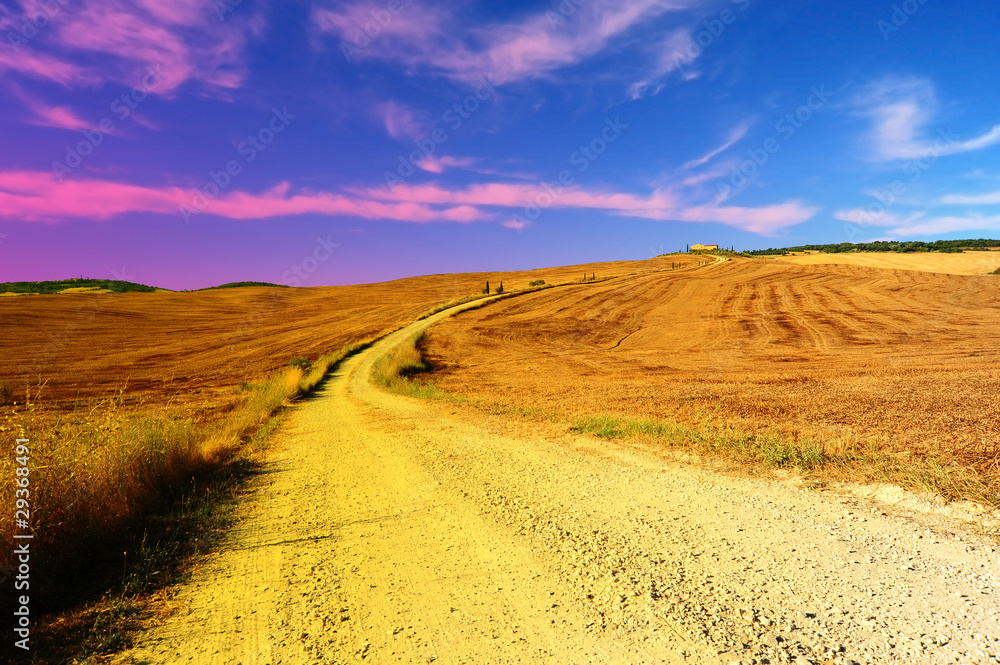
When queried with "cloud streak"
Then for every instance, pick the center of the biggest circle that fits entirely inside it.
(900, 111)
(119, 41)
(430, 38)
(39, 197)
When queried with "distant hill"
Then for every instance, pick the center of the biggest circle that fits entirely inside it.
(78, 285)
(884, 246)
(236, 285)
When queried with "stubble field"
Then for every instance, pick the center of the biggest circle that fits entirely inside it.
(195, 347)
(904, 361)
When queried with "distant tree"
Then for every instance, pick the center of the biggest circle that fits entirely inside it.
(487, 289)
(500, 288)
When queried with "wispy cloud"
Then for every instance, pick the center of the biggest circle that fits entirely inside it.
(43, 114)
(39, 197)
(900, 112)
(988, 198)
(675, 51)
(920, 223)
(438, 165)
(662, 204)
(431, 38)
(399, 121)
(120, 41)
(735, 136)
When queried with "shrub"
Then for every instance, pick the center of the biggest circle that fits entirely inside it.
(537, 282)
(301, 363)
(996, 272)
(500, 288)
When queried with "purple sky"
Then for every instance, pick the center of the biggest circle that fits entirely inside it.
(195, 142)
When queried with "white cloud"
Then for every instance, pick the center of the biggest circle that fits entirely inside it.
(900, 111)
(735, 136)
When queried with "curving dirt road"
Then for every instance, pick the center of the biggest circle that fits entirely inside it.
(388, 530)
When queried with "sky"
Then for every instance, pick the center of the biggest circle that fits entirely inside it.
(196, 142)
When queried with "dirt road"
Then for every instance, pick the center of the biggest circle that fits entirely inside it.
(388, 530)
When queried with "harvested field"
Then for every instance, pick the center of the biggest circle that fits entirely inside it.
(198, 345)
(967, 263)
(903, 359)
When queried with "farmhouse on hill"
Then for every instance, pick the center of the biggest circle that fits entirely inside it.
(699, 246)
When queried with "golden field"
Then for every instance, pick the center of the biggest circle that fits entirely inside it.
(902, 361)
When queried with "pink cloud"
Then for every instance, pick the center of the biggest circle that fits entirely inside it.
(662, 204)
(529, 48)
(183, 38)
(59, 116)
(33, 196)
(39, 197)
(43, 115)
(42, 66)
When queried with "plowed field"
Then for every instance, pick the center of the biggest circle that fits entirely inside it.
(825, 350)
(198, 345)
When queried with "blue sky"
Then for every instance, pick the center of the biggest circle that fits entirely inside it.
(203, 141)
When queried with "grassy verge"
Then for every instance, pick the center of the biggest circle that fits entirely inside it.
(953, 475)
(119, 496)
(395, 371)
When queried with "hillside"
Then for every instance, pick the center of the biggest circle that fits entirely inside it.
(835, 352)
(199, 345)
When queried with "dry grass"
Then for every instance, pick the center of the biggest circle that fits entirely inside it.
(891, 374)
(396, 370)
(966, 263)
(117, 488)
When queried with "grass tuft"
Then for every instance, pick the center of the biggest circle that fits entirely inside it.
(395, 371)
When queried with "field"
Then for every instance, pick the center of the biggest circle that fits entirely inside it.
(142, 407)
(141, 401)
(195, 347)
(966, 263)
(903, 361)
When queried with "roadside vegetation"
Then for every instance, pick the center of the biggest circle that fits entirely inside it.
(397, 369)
(950, 474)
(120, 495)
(953, 474)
